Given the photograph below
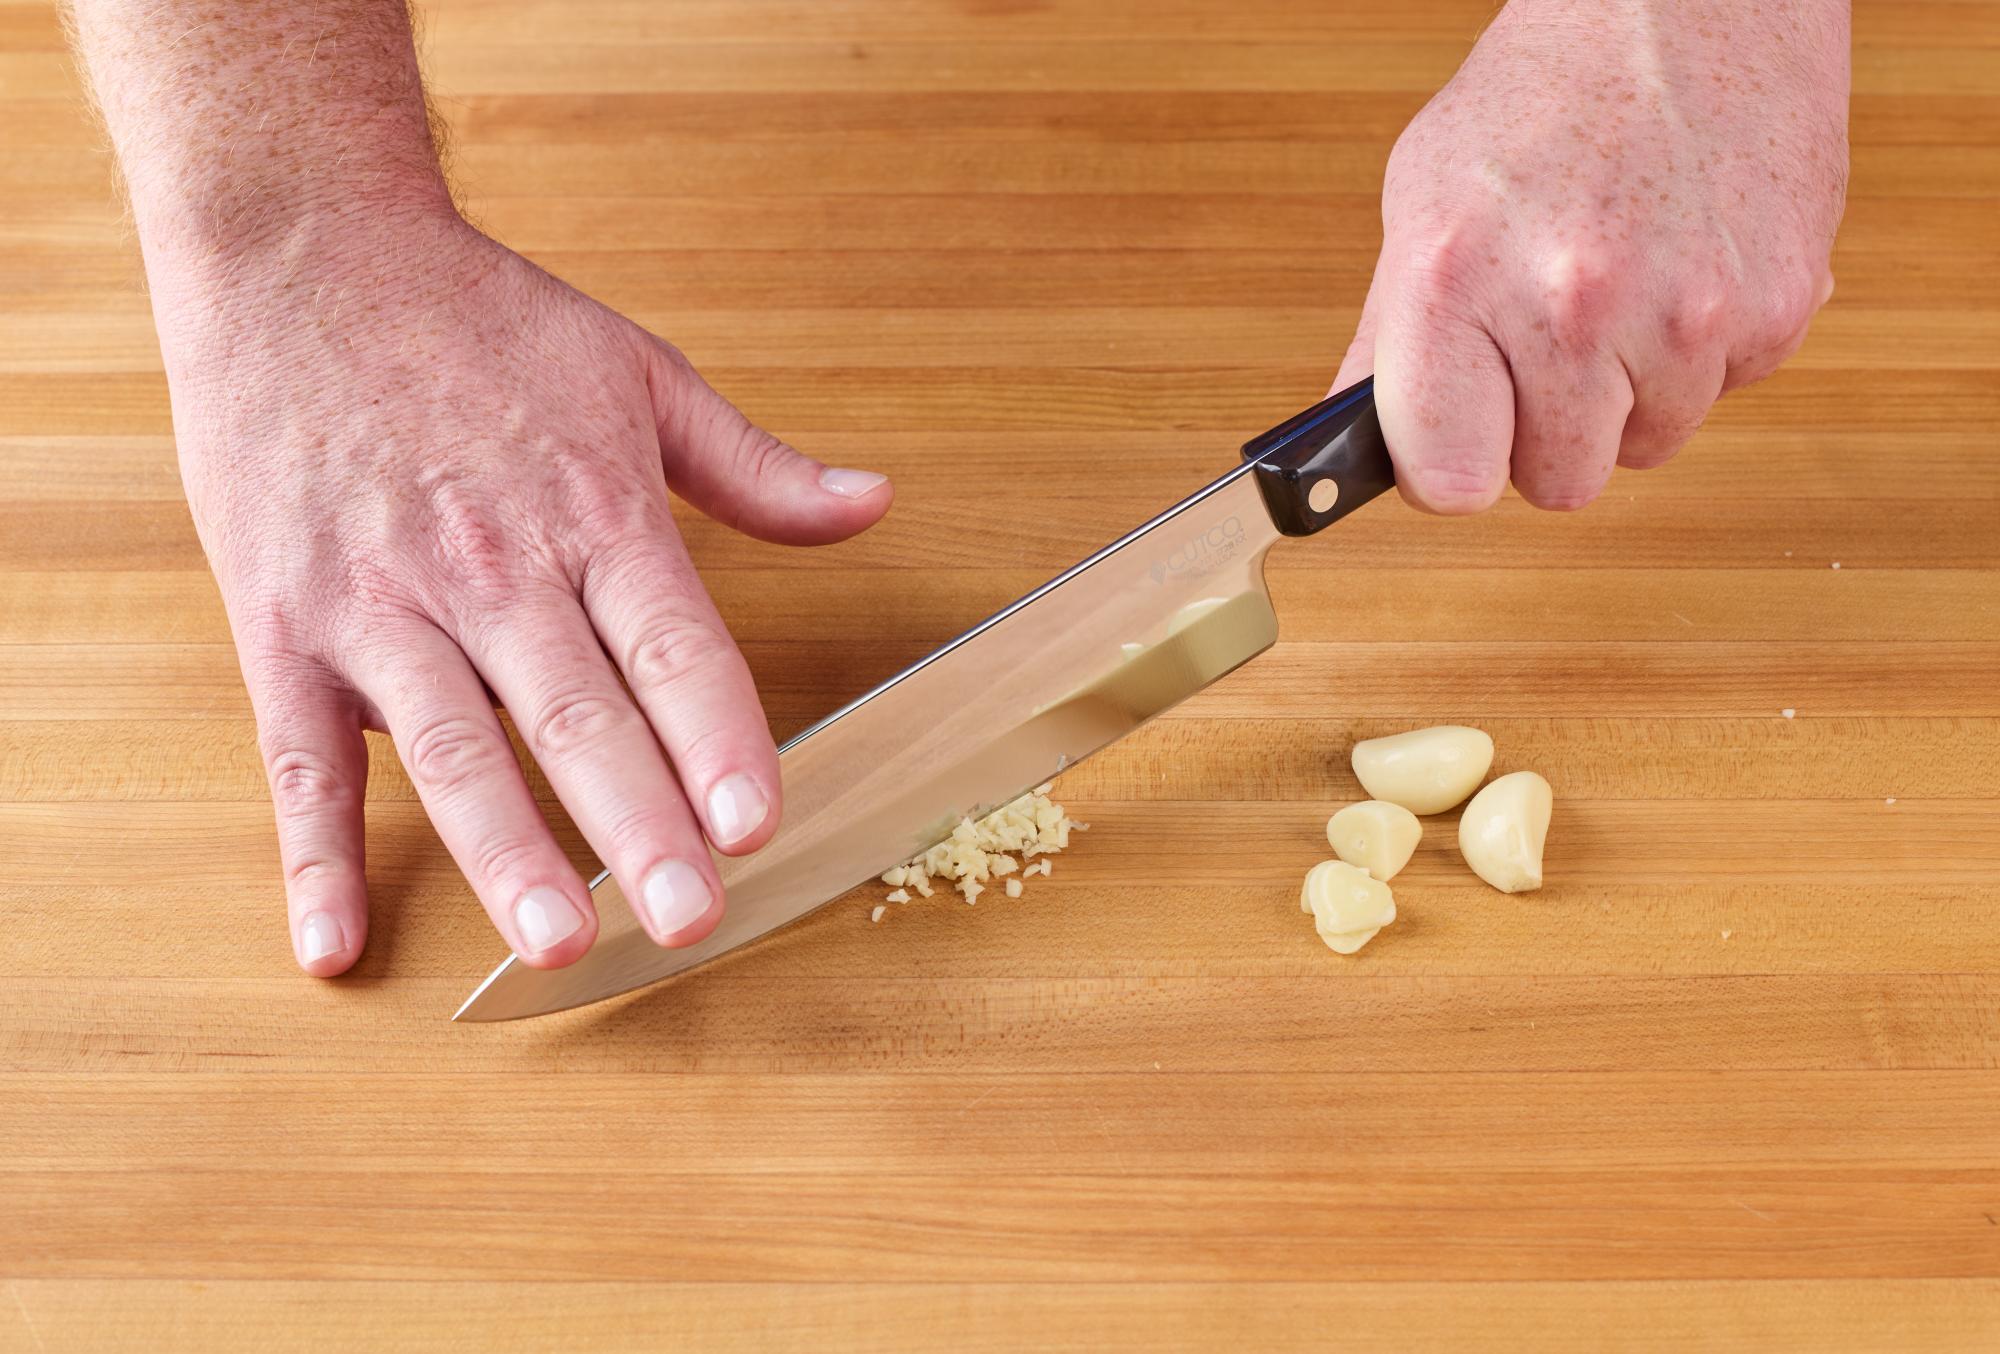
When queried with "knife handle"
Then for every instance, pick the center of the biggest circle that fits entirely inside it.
(1319, 466)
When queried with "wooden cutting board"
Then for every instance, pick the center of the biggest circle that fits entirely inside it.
(1729, 1079)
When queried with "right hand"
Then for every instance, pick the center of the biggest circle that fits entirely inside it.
(1613, 214)
(417, 462)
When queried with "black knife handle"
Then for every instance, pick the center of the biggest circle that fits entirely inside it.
(1319, 466)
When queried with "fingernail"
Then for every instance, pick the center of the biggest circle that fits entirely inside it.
(319, 936)
(545, 918)
(676, 897)
(850, 483)
(735, 807)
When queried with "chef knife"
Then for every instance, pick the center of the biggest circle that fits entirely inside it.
(1076, 664)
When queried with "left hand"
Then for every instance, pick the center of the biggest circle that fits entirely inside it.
(1613, 214)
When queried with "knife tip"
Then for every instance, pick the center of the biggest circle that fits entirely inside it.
(465, 1011)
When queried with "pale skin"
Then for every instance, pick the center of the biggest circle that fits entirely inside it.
(425, 471)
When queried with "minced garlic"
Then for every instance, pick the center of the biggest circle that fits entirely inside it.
(976, 853)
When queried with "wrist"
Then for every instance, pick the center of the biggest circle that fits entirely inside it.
(242, 129)
(220, 227)
(323, 263)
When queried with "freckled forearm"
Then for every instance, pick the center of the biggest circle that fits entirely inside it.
(242, 129)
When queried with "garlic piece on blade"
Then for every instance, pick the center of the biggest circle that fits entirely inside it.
(1425, 770)
(1193, 612)
(1348, 905)
(1503, 829)
(1376, 835)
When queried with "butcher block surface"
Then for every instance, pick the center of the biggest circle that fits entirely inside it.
(1728, 1080)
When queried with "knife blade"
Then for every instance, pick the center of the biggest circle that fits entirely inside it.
(1084, 659)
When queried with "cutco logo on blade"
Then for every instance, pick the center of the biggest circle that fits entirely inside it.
(1201, 553)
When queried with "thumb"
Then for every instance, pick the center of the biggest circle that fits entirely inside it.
(1445, 396)
(1360, 358)
(742, 476)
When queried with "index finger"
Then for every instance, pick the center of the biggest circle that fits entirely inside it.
(1445, 398)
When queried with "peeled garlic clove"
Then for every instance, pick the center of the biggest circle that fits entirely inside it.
(1425, 770)
(1350, 941)
(1348, 905)
(1344, 897)
(1503, 829)
(1378, 836)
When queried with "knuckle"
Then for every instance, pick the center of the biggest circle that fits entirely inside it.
(1578, 294)
(472, 547)
(375, 590)
(311, 870)
(709, 744)
(450, 753)
(1441, 265)
(755, 458)
(668, 648)
(1694, 320)
(304, 784)
(266, 628)
(574, 720)
(507, 857)
(607, 500)
(642, 831)
(289, 636)
(759, 453)
(1785, 309)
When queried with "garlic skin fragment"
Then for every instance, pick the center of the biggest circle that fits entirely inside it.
(1348, 905)
(1424, 770)
(1503, 830)
(1376, 835)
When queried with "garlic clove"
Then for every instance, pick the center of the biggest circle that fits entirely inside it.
(1503, 829)
(1349, 941)
(1378, 836)
(1424, 770)
(1348, 905)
